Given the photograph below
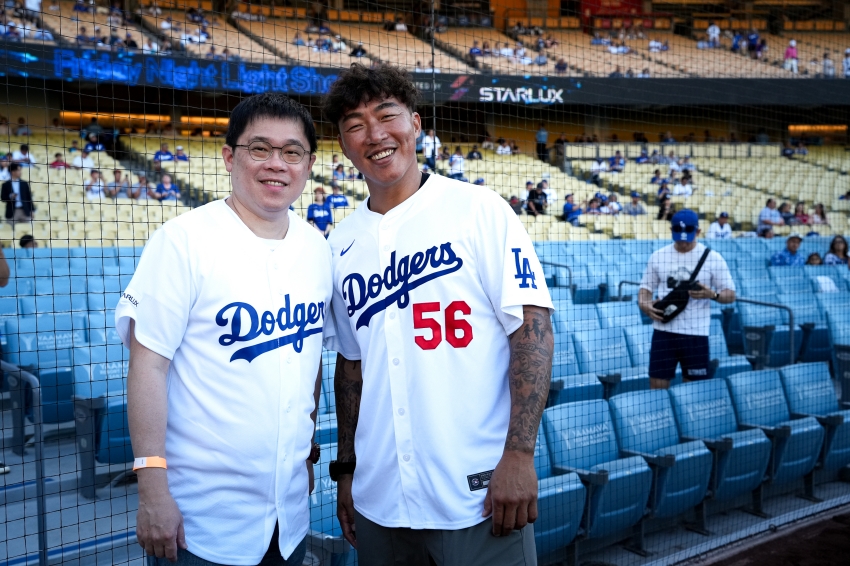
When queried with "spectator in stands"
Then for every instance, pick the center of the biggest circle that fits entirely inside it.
(319, 213)
(657, 179)
(28, 242)
(845, 196)
(58, 162)
(617, 74)
(475, 51)
(358, 51)
(542, 139)
(167, 24)
(664, 190)
(339, 173)
(541, 59)
(165, 190)
(444, 154)
(827, 67)
(613, 204)
(837, 254)
(769, 217)
(399, 24)
(720, 228)
(551, 197)
(17, 195)
(789, 256)
(94, 186)
(561, 67)
(474, 153)
(515, 203)
(635, 207)
(83, 161)
(800, 216)
(684, 339)
(5, 128)
(353, 175)
(761, 50)
(23, 156)
(430, 147)
(791, 57)
(683, 188)
(93, 143)
(41, 34)
(819, 217)
(666, 210)
(572, 211)
(212, 55)
(149, 47)
(298, 40)
(668, 138)
(180, 155)
(4, 168)
(119, 187)
(23, 129)
(83, 40)
(503, 148)
(616, 163)
(338, 45)
(456, 164)
(506, 50)
(598, 167)
(141, 189)
(801, 149)
(753, 43)
(787, 216)
(713, 33)
(536, 203)
(846, 63)
(787, 150)
(80, 6)
(163, 154)
(737, 41)
(130, 43)
(594, 207)
(337, 199)
(814, 259)
(94, 127)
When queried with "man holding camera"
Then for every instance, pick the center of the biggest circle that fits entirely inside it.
(682, 315)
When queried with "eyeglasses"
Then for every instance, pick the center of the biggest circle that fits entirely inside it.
(259, 151)
(686, 229)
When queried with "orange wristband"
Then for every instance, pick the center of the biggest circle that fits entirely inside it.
(149, 462)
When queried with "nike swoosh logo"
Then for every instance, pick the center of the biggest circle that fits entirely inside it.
(343, 252)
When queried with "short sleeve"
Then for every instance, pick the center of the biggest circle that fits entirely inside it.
(160, 295)
(510, 271)
(342, 338)
(649, 281)
(721, 277)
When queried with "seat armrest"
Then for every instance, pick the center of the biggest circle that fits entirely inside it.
(824, 420)
(662, 460)
(768, 328)
(611, 378)
(845, 404)
(783, 431)
(599, 477)
(556, 384)
(808, 326)
(723, 444)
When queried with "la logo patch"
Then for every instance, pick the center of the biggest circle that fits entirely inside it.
(523, 270)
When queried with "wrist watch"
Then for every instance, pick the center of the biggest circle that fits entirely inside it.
(315, 453)
(338, 469)
(716, 296)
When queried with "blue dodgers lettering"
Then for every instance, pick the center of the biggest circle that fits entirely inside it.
(357, 291)
(246, 324)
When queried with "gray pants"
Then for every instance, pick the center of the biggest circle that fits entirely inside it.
(473, 546)
(272, 557)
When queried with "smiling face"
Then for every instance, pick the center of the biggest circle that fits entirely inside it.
(267, 188)
(379, 137)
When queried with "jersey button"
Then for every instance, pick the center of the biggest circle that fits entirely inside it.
(392, 316)
(406, 458)
(387, 248)
(395, 361)
(401, 412)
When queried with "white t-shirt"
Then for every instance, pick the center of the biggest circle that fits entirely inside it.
(430, 145)
(94, 189)
(713, 32)
(456, 165)
(718, 232)
(80, 163)
(683, 190)
(242, 323)
(20, 157)
(667, 262)
(426, 296)
(503, 150)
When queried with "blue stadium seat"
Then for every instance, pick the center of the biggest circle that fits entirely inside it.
(621, 314)
(101, 328)
(808, 315)
(24, 267)
(57, 390)
(11, 288)
(43, 267)
(816, 272)
(112, 443)
(560, 503)
(578, 318)
(604, 353)
(756, 289)
(562, 304)
(581, 439)
(793, 286)
(766, 335)
(646, 426)
(704, 412)
(718, 350)
(796, 444)
(838, 319)
(639, 342)
(99, 379)
(567, 384)
(60, 266)
(560, 295)
(322, 501)
(9, 306)
(810, 392)
(589, 285)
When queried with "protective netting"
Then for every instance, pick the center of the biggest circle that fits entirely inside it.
(596, 122)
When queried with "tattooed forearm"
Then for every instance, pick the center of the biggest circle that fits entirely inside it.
(348, 387)
(529, 374)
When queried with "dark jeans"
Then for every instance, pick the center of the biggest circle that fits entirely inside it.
(431, 162)
(272, 557)
(542, 154)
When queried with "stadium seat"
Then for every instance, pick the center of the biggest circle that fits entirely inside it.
(810, 393)
(823, 277)
(815, 346)
(759, 402)
(766, 335)
(576, 319)
(103, 436)
(639, 342)
(589, 285)
(568, 384)
(581, 440)
(838, 319)
(727, 363)
(604, 353)
(335, 549)
(560, 503)
(704, 412)
(646, 427)
(623, 314)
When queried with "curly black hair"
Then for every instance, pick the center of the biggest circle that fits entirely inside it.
(360, 84)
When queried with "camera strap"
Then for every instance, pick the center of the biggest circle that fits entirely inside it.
(699, 265)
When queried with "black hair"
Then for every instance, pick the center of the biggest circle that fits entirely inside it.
(269, 105)
(14, 167)
(358, 84)
(25, 147)
(25, 240)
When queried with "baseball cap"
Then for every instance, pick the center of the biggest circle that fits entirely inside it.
(180, 147)
(635, 194)
(528, 183)
(684, 225)
(479, 181)
(568, 196)
(795, 235)
(723, 215)
(319, 190)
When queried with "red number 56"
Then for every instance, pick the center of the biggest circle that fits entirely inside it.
(458, 330)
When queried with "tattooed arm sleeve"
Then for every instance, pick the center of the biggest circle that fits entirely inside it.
(348, 386)
(529, 373)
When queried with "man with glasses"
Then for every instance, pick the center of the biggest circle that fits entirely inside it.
(224, 319)
(684, 339)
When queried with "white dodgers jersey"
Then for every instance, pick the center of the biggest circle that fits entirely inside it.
(242, 321)
(426, 296)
